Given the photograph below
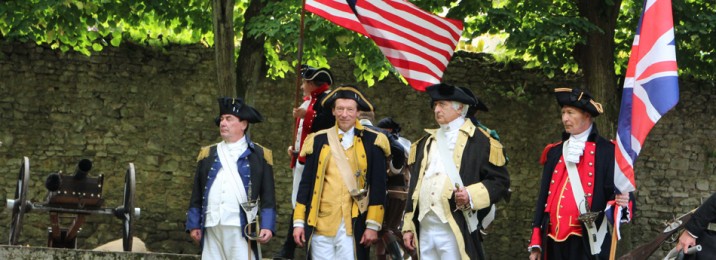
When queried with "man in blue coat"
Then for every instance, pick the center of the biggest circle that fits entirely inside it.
(231, 172)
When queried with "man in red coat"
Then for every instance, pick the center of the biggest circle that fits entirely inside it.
(310, 117)
(578, 178)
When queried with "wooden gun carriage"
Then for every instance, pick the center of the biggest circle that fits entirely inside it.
(70, 199)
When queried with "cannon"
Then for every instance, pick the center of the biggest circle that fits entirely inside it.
(70, 199)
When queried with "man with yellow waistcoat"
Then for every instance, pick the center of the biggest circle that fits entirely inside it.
(458, 170)
(339, 207)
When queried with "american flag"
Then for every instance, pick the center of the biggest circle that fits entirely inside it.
(418, 44)
(651, 87)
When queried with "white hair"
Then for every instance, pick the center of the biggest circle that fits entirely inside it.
(456, 105)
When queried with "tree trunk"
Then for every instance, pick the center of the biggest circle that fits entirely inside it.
(251, 64)
(223, 20)
(596, 59)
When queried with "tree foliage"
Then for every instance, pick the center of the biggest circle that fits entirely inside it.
(542, 33)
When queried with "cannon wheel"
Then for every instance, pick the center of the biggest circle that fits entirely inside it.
(20, 206)
(127, 221)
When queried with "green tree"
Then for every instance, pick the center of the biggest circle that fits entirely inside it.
(577, 36)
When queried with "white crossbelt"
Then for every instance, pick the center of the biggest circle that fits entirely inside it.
(596, 237)
(451, 170)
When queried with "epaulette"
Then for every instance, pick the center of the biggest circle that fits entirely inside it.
(414, 149)
(381, 141)
(204, 152)
(307, 147)
(268, 155)
(543, 158)
(497, 154)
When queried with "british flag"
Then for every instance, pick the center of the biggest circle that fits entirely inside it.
(418, 44)
(651, 87)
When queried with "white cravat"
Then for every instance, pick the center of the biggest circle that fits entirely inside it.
(346, 137)
(575, 147)
(451, 129)
(235, 149)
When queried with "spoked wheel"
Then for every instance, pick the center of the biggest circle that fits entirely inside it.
(19, 205)
(128, 214)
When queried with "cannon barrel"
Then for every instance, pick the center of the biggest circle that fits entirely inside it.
(83, 168)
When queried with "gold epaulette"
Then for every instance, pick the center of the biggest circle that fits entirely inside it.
(413, 150)
(204, 152)
(497, 154)
(268, 155)
(307, 147)
(381, 141)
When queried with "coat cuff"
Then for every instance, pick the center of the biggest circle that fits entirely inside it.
(268, 219)
(193, 219)
(299, 213)
(375, 215)
(479, 196)
(536, 240)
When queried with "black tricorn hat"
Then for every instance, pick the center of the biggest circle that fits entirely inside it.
(389, 123)
(478, 105)
(444, 91)
(578, 98)
(237, 107)
(316, 74)
(347, 92)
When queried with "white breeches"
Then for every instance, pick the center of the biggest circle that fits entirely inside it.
(338, 247)
(297, 172)
(436, 239)
(225, 242)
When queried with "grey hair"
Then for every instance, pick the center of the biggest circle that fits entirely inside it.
(456, 105)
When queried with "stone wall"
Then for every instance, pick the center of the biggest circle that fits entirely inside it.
(155, 108)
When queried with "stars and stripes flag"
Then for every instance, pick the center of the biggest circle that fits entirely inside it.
(418, 44)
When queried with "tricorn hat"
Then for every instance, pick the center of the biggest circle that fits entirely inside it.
(444, 91)
(237, 107)
(347, 92)
(478, 105)
(578, 98)
(316, 74)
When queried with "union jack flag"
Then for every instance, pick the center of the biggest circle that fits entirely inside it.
(418, 44)
(651, 87)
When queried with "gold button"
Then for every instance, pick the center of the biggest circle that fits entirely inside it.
(590, 163)
(552, 181)
(591, 152)
(590, 174)
(589, 184)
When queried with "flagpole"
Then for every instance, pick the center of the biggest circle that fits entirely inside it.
(298, 97)
(299, 59)
(613, 248)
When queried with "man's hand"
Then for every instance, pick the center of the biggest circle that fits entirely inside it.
(535, 254)
(685, 241)
(299, 112)
(409, 241)
(264, 236)
(622, 199)
(369, 237)
(290, 151)
(462, 198)
(195, 235)
(298, 236)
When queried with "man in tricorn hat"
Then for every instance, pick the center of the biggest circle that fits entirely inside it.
(310, 117)
(228, 173)
(456, 170)
(339, 207)
(577, 182)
